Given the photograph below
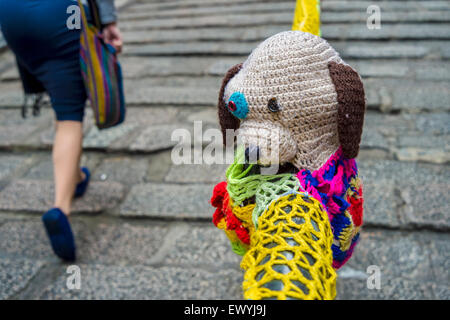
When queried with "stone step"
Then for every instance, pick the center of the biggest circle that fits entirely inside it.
(16, 273)
(168, 201)
(127, 169)
(136, 93)
(406, 137)
(420, 31)
(112, 256)
(354, 49)
(391, 199)
(140, 6)
(16, 131)
(37, 196)
(285, 19)
(383, 94)
(405, 194)
(406, 95)
(148, 283)
(140, 93)
(2, 41)
(193, 7)
(7, 61)
(146, 129)
(401, 259)
(137, 12)
(329, 32)
(409, 137)
(144, 67)
(352, 5)
(179, 67)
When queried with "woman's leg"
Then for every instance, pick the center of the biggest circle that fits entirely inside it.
(67, 150)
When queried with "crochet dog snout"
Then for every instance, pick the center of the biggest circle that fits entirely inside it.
(274, 142)
(251, 154)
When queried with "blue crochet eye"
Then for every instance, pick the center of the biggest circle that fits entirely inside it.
(238, 105)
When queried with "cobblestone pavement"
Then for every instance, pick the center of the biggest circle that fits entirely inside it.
(144, 229)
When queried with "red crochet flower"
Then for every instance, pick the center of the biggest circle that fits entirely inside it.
(221, 201)
(356, 207)
(217, 201)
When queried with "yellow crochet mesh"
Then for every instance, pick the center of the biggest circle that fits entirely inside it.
(290, 256)
(245, 215)
(307, 17)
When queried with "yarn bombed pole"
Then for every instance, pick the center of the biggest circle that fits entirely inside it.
(291, 255)
(307, 17)
(285, 236)
(296, 227)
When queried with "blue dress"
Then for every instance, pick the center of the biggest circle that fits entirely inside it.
(47, 52)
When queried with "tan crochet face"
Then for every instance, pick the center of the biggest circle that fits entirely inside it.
(287, 100)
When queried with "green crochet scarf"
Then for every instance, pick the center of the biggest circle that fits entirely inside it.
(242, 185)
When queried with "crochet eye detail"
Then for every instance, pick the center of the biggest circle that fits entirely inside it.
(237, 105)
(273, 105)
(232, 106)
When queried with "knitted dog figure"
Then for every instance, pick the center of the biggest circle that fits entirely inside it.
(297, 104)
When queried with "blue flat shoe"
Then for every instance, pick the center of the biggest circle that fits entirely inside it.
(82, 186)
(60, 234)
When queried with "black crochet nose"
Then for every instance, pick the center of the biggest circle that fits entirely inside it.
(252, 154)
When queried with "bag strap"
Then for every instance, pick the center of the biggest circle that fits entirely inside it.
(95, 14)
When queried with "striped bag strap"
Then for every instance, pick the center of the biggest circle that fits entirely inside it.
(83, 16)
(93, 68)
(95, 13)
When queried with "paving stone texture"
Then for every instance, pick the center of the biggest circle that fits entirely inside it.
(144, 228)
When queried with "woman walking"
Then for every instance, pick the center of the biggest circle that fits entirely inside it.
(47, 54)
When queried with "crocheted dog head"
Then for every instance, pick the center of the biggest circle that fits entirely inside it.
(296, 96)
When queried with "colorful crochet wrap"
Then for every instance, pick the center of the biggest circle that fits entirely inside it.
(337, 186)
(241, 201)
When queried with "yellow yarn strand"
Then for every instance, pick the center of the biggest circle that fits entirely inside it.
(290, 255)
(245, 215)
(347, 234)
(307, 17)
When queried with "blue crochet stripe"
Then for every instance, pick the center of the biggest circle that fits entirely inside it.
(339, 223)
(338, 255)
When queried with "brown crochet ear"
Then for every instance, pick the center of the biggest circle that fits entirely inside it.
(226, 119)
(351, 106)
